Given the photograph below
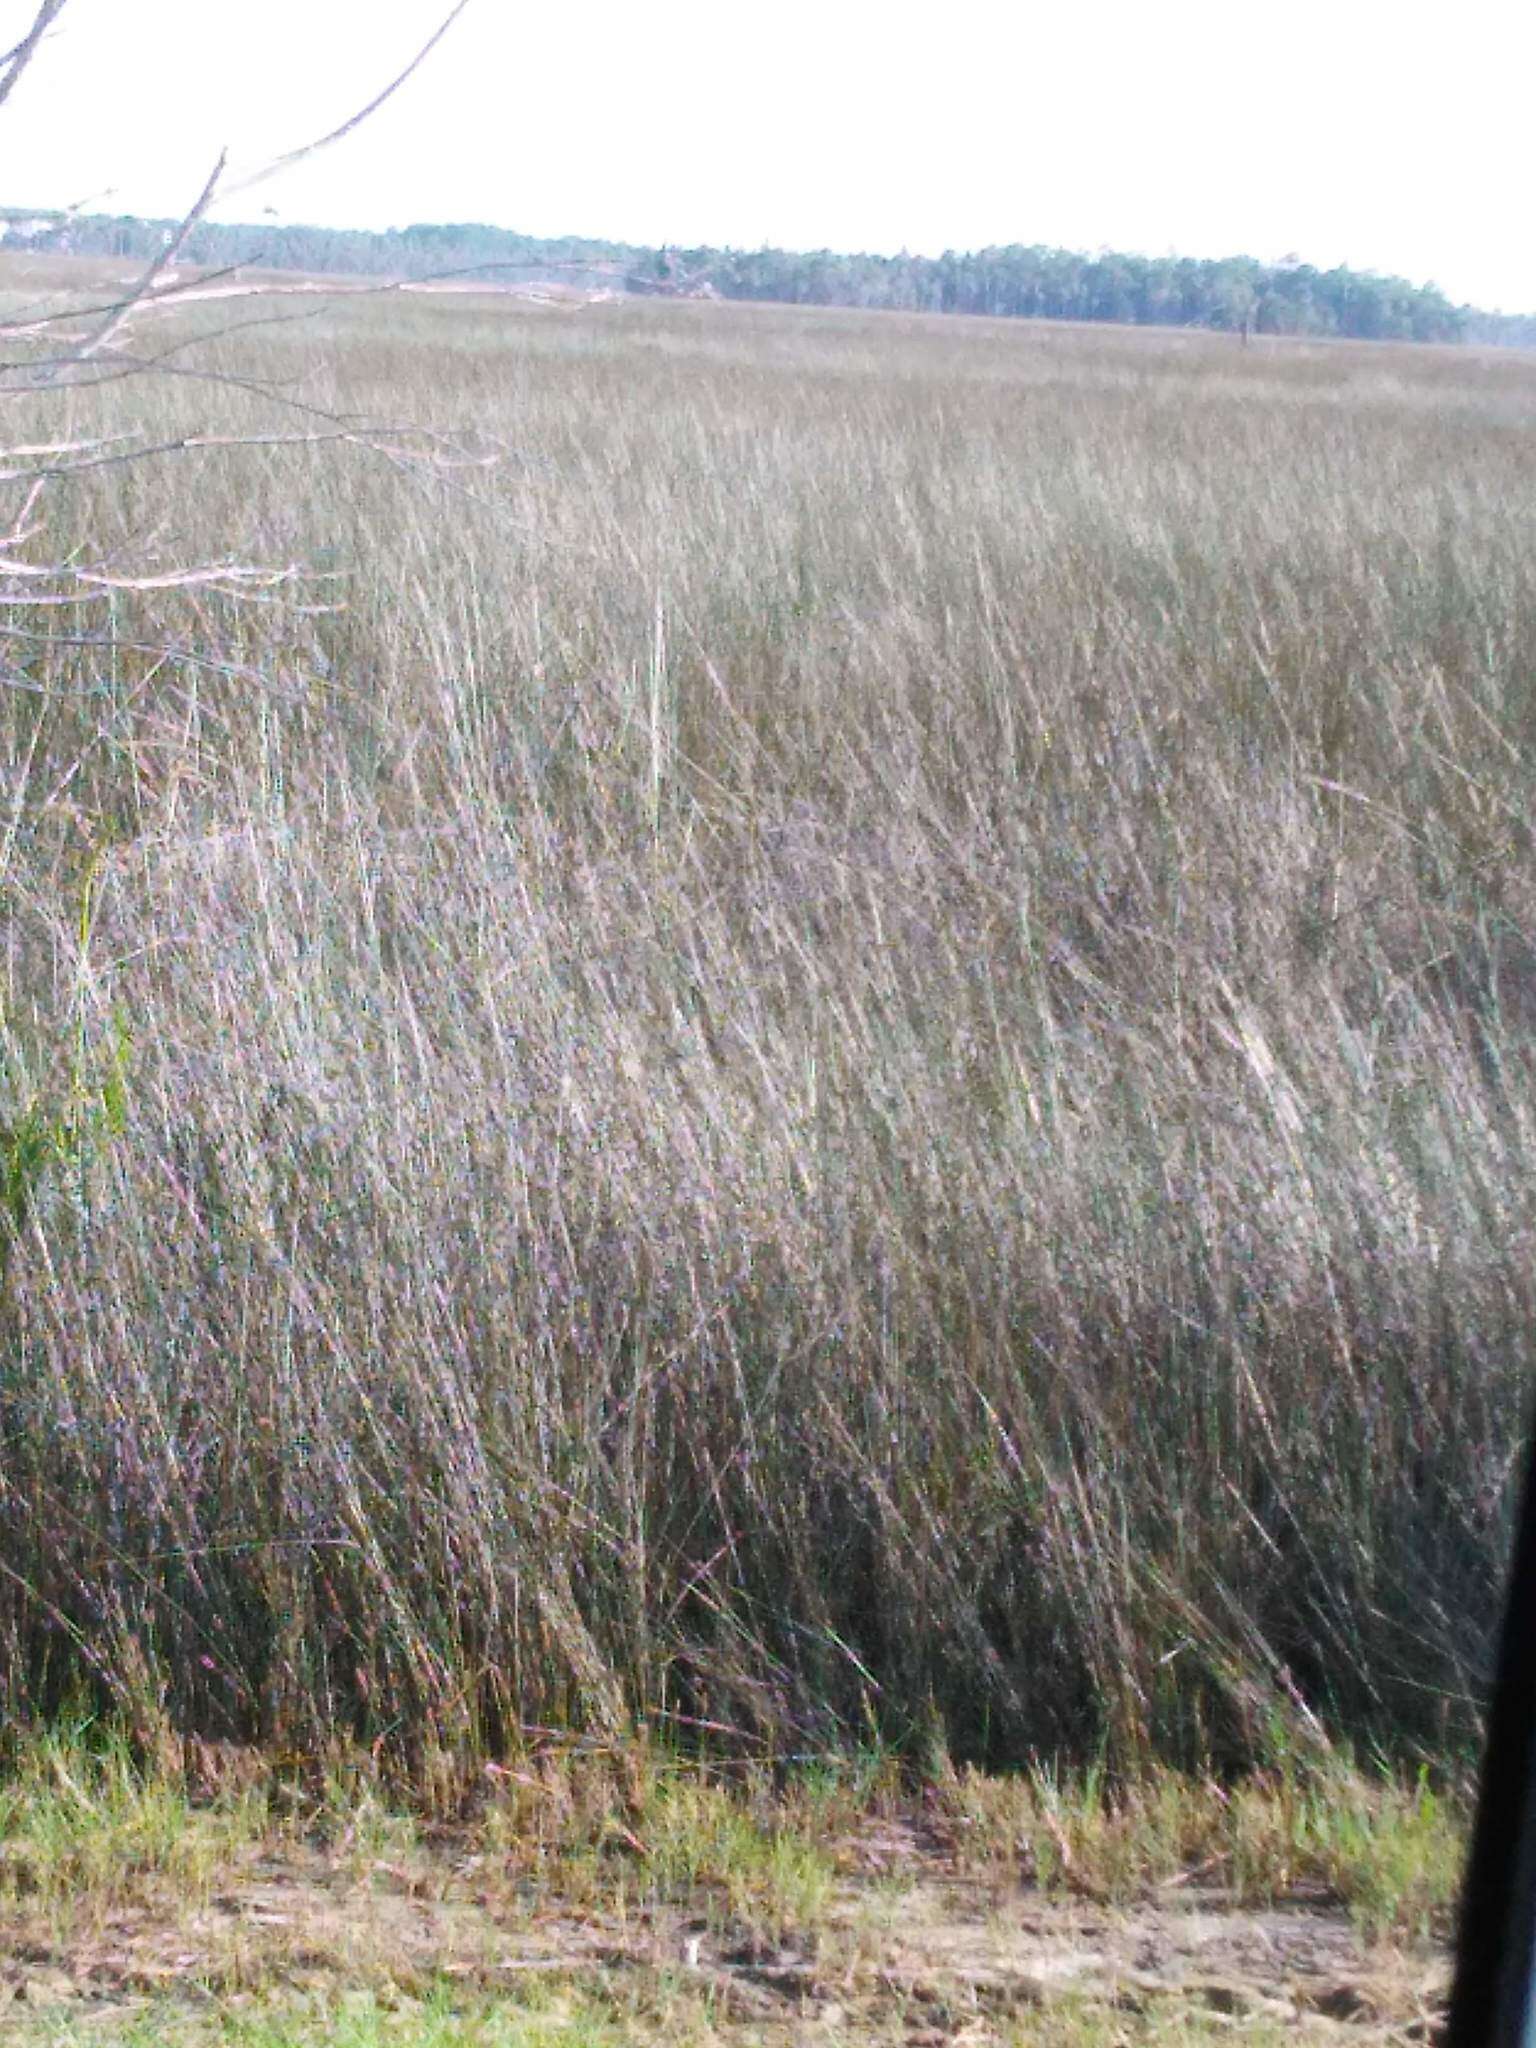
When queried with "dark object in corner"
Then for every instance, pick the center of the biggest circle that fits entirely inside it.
(1493, 1999)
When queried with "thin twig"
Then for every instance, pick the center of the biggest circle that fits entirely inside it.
(115, 322)
(16, 60)
(308, 149)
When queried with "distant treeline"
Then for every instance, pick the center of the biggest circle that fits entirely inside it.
(1040, 283)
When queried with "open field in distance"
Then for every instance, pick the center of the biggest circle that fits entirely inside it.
(837, 1043)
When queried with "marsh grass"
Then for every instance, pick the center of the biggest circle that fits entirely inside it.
(755, 1859)
(1388, 1849)
(362, 2020)
(85, 1826)
(845, 1047)
(446, 2019)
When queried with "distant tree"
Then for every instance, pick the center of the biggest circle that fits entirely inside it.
(1032, 282)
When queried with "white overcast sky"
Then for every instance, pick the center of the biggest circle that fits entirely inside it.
(1394, 135)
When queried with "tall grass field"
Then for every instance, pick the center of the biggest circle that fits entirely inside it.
(829, 1040)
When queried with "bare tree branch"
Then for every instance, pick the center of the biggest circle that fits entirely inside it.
(15, 61)
(27, 324)
(69, 583)
(228, 282)
(118, 319)
(308, 149)
(143, 292)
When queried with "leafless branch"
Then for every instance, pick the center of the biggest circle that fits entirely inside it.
(115, 322)
(228, 283)
(15, 61)
(92, 354)
(37, 323)
(308, 149)
(81, 457)
(227, 575)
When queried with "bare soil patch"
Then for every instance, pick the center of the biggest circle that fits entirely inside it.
(910, 1951)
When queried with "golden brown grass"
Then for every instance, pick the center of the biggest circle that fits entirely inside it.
(846, 1045)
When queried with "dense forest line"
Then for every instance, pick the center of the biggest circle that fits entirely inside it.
(1235, 292)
